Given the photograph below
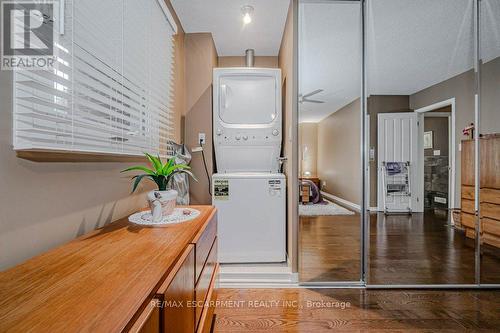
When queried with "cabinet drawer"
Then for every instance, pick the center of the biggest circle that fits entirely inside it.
(490, 226)
(490, 239)
(177, 292)
(468, 192)
(470, 233)
(490, 210)
(490, 195)
(468, 206)
(468, 220)
(203, 243)
(149, 320)
(205, 325)
(203, 285)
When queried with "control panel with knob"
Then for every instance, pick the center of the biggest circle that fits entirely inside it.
(276, 132)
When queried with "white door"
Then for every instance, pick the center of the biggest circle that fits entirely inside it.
(398, 142)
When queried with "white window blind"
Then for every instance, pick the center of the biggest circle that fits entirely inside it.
(111, 88)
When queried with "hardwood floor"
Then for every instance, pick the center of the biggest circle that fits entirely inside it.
(356, 310)
(419, 249)
(329, 248)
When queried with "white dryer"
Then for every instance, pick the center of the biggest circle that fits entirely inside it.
(247, 119)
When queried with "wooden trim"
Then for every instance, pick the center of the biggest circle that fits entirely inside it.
(171, 275)
(59, 156)
(142, 320)
(206, 315)
(202, 229)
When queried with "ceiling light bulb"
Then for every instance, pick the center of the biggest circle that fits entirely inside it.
(247, 18)
(247, 14)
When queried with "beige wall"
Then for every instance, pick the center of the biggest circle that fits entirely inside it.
(339, 153)
(308, 137)
(490, 97)
(201, 58)
(232, 61)
(287, 63)
(440, 135)
(460, 87)
(43, 205)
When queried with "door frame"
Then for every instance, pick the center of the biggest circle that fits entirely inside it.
(452, 147)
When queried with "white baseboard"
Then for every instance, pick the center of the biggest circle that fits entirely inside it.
(341, 201)
(257, 276)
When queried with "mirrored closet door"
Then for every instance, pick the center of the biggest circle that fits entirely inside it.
(330, 164)
(421, 105)
(489, 143)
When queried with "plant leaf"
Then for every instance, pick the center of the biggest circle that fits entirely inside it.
(155, 162)
(139, 168)
(181, 171)
(168, 165)
(176, 167)
(137, 180)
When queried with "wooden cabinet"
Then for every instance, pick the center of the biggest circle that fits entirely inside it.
(489, 195)
(204, 283)
(203, 243)
(146, 281)
(177, 295)
(206, 275)
(206, 319)
(186, 292)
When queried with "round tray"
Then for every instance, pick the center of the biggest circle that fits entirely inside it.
(178, 216)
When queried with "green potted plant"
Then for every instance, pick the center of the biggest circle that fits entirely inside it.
(161, 201)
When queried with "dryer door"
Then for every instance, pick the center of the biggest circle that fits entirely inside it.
(248, 99)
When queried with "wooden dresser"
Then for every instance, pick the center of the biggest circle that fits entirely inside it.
(489, 197)
(121, 278)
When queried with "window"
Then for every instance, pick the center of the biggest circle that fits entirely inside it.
(110, 90)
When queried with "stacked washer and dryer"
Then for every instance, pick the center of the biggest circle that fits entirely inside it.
(248, 189)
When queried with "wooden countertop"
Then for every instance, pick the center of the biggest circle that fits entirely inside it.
(95, 283)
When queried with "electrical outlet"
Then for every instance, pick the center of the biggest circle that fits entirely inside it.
(201, 138)
(323, 183)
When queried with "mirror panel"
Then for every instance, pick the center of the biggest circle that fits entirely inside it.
(421, 101)
(489, 198)
(329, 141)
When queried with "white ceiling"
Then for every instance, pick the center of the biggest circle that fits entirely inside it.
(223, 18)
(411, 45)
(329, 57)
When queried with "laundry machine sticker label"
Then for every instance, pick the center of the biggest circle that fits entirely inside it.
(274, 183)
(221, 189)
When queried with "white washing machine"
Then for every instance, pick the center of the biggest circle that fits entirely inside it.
(247, 190)
(251, 217)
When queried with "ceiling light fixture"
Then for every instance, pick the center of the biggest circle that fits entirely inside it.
(247, 14)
